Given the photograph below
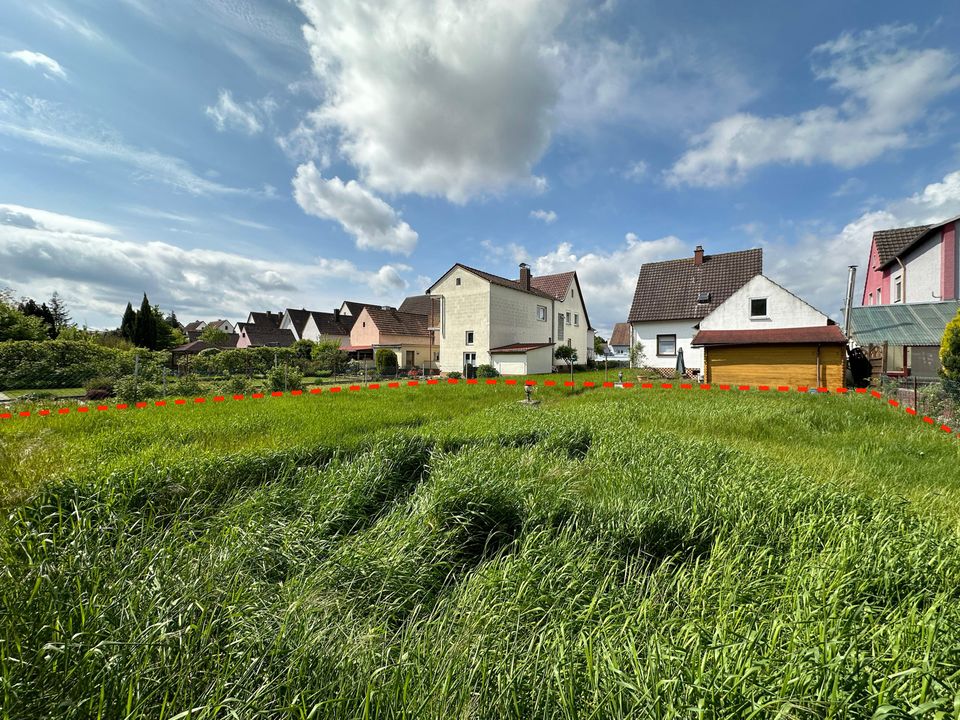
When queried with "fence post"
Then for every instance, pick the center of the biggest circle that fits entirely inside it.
(284, 377)
(164, 381)
(136, 375)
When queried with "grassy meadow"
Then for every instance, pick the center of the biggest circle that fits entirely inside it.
(445, 552)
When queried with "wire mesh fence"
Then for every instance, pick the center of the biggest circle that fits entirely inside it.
(935, 398)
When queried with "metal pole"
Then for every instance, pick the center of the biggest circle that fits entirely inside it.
(851, 280)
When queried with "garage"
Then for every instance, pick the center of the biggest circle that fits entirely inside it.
(523, 358)
(812, 356)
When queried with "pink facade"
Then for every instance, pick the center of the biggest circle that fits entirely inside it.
(948, 263)
(877, 281)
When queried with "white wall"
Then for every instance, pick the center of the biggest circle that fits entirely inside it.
(463, 307)
(784, 310)
(513, 317)
(580, 335)
(646, 333)
(923, 271)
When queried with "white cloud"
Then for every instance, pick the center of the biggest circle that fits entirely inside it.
(814, 265)
(887, 91)
(243, 222)
(637, 171)
(47, 64)
(47, 124)
(307, 142)
(514, 252)
(548, 216)
(374, 224)
(228, 113)
(608, 278)
(850, 186)
(436, 97)
(99, 272)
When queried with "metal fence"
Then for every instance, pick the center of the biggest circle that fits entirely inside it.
(938, 399)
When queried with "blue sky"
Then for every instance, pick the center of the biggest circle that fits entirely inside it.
(233, 155)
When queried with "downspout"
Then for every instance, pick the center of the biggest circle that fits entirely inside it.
(818, 367)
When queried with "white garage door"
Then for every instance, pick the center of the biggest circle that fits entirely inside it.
(510, 364)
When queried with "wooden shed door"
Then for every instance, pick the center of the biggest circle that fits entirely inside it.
(773, 365)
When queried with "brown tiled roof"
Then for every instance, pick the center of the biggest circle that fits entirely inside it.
(422, 305)
(669, 290)
(268, 336)
(621, 334)
(555, 286)
(265, 320)
(891, 242)
(391, 321)
(356, 308)
(820, 334)
(502, 281)
(519, 347)
(299, 319)
(194, 326)
(197, 345)
(331, 324)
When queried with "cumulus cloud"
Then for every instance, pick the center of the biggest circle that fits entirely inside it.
(636, 171)
(373, 223)
(47, 124)
(45, 63)
(608, 278)
(798, 262)
(436, 97)
(98, 271)
(547, 216)
(227, 113)
(887, 91)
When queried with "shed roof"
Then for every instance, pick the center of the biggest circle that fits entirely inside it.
(519, 348)
(818, 334)
(902, 324)
(621, 334)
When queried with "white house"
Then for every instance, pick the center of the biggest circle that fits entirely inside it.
(764, 334)
(317, 326)
(514, 325)
(673, 296)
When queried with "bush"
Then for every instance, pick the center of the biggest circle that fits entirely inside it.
(69, 363)
(487, 371)
(386, 361)
(188, 386)
(283, 378)
(130, 389)
(236, 385)
(99, 394)
(99, 384)
(456, 374)
(950, 356)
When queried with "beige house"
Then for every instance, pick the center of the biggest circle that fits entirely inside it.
(406, 334)
(513, 325)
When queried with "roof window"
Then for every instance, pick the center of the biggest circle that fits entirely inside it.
(703, 297)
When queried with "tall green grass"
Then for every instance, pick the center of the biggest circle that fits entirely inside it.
(630, 555)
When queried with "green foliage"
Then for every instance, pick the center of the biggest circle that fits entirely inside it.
(386, 361)
(30, 308)
(214, 335)
(284, 378)
(70, 363)
(598, 343)
(303, 349)
(637, 355)
(442, 552)
(566, 352)
(134, 389)
(236, 385)
(15, 325)
(128, 325)
(188, 385)
(487, 371)
(950, 352)
(329, 356)
(455, 374)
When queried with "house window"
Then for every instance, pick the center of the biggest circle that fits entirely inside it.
(568, 318)
(758, 307)
(458, 281)
(898, 291)
(666, 345)
(571, 292)
(469, 337)
(879, 298)
(871, 299)
(576, 319)
(559, 327)
(542, 312)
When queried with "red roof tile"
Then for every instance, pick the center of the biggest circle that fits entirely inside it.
(554, 285)
(820, 334)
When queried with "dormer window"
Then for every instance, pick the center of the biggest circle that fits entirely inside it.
(703, 297)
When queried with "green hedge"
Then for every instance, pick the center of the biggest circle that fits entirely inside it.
(70, 363)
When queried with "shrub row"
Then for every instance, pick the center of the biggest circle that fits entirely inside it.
(70, 363)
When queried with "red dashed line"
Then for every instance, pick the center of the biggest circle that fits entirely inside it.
(354, 388)
(743, 387)
(665, 386)
(335, 389)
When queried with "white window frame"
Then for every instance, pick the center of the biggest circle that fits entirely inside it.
(568, 317)
(667, 335)
(576, 319)
(766, 308)
(542, 313)
(468, 337)
(898, 289)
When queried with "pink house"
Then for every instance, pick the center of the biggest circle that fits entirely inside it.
(913, 265)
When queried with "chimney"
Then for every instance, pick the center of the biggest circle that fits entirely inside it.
(336, 314)
(698, 255)
(524, 276)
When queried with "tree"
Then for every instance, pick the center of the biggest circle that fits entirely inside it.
(59, 313)
(950, 356)
(214, 335)
(146, 329)
(386, 361)
(637, 356)
(598, 343)
(304, 349)
(15, 325)
(29, 306)
(128, 326)
(566, 352)
(329, 355)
